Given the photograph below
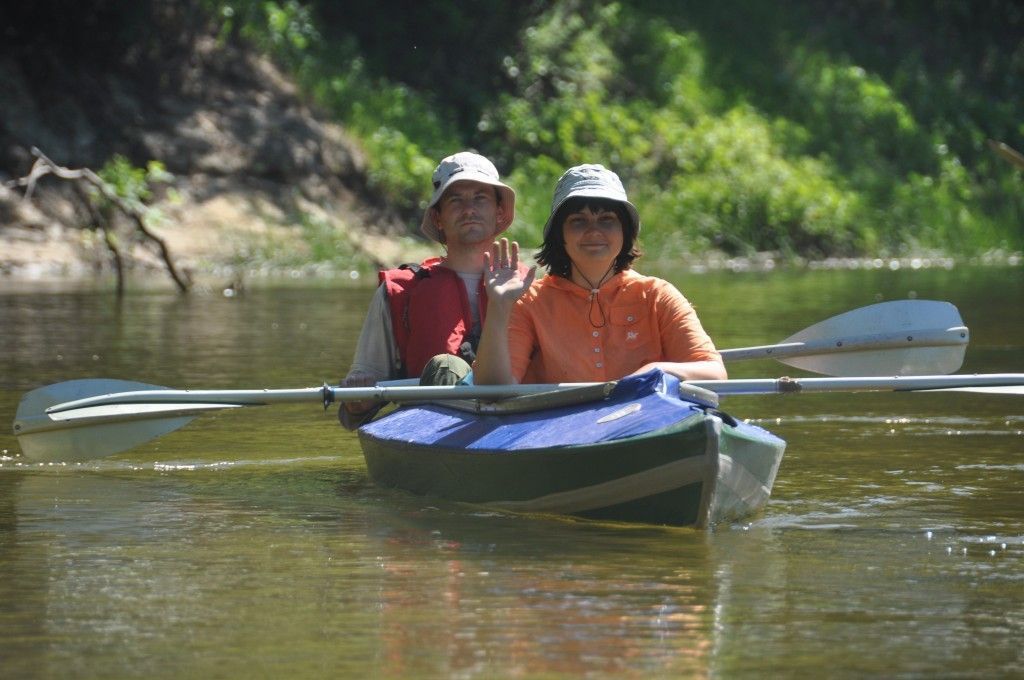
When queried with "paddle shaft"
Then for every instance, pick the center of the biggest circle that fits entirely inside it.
(325, 394)
(934, 337)
(440, 393)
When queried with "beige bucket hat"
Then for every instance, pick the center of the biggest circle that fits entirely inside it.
(462, 167)
(594, 181)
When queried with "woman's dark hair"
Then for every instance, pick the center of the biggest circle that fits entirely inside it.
(552, 253)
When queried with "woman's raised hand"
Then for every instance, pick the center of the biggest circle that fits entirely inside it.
(501, 273)
(504, 285)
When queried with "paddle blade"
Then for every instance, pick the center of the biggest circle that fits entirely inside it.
(93, 432)
(909, 326)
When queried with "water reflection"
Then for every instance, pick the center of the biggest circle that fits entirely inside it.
(527, 596)
(119, 562)
(182, 340)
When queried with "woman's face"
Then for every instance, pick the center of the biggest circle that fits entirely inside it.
(593, 238)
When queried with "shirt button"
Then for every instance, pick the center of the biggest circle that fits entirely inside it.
(596, 333)
(597, 350)
(629, 318)
(599, 364)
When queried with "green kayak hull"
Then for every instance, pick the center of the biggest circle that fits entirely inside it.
(700, 470)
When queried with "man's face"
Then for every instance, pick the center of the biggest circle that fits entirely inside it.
(468, 213)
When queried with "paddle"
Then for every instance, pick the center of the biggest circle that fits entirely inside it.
(55, 423)
(901, 337)
(82, 419)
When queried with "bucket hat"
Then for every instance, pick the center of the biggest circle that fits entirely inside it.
(594, 181)
(466, 166)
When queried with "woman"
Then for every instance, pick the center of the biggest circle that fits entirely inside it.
(592, 318)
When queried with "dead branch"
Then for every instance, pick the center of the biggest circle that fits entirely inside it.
(44, 166)
(98, 222)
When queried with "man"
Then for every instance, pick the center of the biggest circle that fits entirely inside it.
(437, 307)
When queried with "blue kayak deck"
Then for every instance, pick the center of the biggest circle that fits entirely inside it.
(637, 406)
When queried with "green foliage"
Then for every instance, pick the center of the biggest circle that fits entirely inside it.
(316, 241)
(131, 184)
(533, 180)
(703, 176)
(734, 127)
(400, 132)
(285, 30)
(731, 171)
(854, 115)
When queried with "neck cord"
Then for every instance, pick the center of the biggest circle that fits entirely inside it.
(594, 289)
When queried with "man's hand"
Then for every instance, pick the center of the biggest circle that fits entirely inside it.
(352, 414)
(359, 407)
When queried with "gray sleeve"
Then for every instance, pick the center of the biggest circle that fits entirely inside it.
(376, 352)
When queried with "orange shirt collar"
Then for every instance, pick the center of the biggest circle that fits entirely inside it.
(617, 281)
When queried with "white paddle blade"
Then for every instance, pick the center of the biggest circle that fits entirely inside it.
(99, 440)
(93, 432)
(901, 337)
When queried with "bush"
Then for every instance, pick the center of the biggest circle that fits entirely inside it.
(732, 126)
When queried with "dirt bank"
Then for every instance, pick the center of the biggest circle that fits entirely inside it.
(252, 168)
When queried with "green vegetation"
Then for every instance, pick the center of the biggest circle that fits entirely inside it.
(811, 128)
(131, 184)
(317, 241)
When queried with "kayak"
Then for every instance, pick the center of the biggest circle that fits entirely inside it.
(646, 449)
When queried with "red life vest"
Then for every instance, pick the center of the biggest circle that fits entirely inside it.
(430, 313)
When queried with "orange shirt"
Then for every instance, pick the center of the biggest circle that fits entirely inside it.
(553, 338)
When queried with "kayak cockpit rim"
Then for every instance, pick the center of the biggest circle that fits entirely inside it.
(563, 397)
(533, 402)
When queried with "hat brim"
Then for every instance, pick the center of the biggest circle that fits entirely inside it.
(508, 203)
(595, 193)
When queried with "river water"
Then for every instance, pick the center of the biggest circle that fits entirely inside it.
(253, 542)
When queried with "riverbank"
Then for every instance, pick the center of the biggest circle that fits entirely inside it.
(233, 234)
(61, 269)
(253, 173)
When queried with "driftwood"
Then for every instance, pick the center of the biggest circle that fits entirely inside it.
(44, 166)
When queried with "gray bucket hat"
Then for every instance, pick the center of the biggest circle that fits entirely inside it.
(462, 167)
(595, 181)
